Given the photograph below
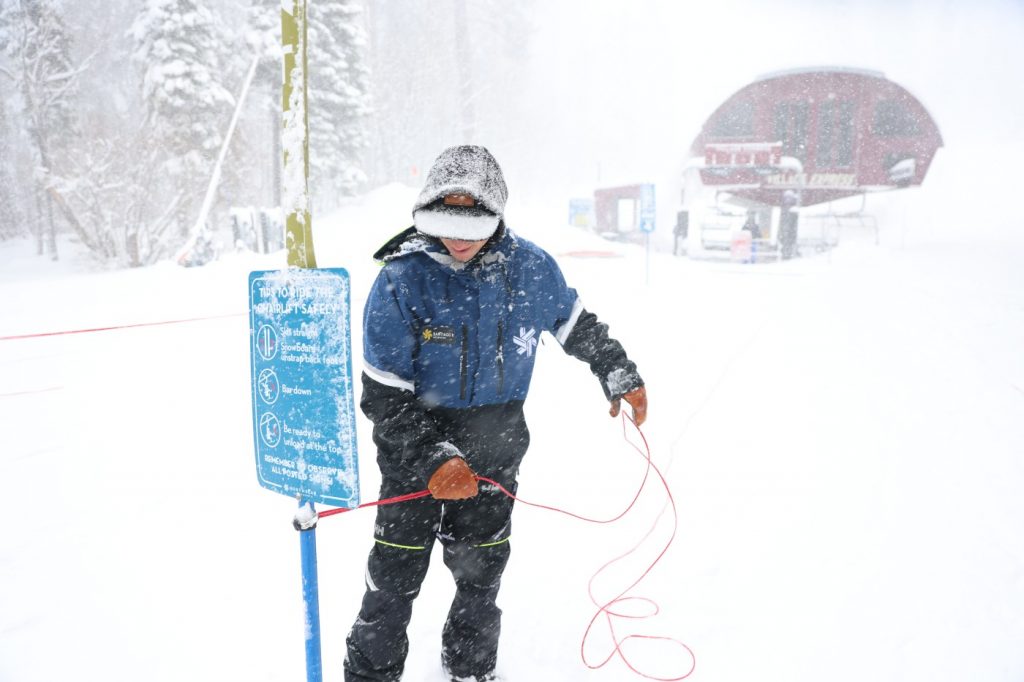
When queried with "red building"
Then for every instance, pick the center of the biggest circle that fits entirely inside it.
(617, 210)
(823, 133)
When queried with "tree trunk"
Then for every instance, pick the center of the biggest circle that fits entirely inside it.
(37, 223)
(51, 237)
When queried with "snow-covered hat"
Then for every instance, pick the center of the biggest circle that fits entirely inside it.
(465, 169)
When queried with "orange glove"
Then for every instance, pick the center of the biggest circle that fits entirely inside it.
(637, 399)
(453, 480)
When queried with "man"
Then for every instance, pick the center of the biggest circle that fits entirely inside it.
(450, 330)
(681, 232)
(751, 225)
(788, 224)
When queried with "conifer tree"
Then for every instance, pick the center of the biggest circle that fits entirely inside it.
(338, 100)
(179, 48)
(264, 38)
(10, 222)
(39, 45)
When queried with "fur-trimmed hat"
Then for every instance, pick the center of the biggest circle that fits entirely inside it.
(465, 169)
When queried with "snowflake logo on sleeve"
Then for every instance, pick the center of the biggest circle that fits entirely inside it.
(526, 341)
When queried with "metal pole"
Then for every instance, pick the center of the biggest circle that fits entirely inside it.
(647, 265)
(311, 602)
(211, 187)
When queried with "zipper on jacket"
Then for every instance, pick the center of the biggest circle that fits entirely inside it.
(464, 364)
(501, 357)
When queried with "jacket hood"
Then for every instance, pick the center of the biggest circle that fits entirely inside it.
(465, 169)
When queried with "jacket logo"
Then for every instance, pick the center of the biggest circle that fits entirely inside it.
(438, 335)
(527, 341)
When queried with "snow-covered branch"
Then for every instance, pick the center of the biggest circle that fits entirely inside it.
(72, 73)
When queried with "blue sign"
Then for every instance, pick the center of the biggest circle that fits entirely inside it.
(581, 212)
(647, 208)
(303, 410)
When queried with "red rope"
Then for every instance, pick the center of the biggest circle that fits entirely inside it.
(31, 391)
(39, 335)
(610, 608)
(386, 500)
(606, 609)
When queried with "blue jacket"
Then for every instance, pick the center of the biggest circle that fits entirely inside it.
(449, 351)
(465, 335)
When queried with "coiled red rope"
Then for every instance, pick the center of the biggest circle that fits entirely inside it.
(610, 609)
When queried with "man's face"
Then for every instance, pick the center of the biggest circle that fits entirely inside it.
(462, 250)
(459, 200)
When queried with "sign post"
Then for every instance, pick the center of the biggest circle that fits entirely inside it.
(303, 410)
(581, 213)
(647, 221)
(304, 424)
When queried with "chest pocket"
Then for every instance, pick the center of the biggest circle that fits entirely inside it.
(443, 363)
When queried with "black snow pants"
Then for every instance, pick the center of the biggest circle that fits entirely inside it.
(475, 536)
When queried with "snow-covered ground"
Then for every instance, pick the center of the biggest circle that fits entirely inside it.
(843, 435)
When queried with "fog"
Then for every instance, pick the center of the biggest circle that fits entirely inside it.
(622, 89)
(570, 96)
(842, 431)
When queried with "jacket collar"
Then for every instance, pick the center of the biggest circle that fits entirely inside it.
(497, 249)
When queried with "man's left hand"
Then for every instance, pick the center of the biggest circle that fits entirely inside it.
(453, 480)
(637, 399)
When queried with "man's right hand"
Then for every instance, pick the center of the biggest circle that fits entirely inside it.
(637, 399)
(453, 480)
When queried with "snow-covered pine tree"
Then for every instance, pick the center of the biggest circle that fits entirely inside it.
(339, 103)
(180, 48)
(10, 225)
(264, 37)
(39, 45)
(10, 222)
